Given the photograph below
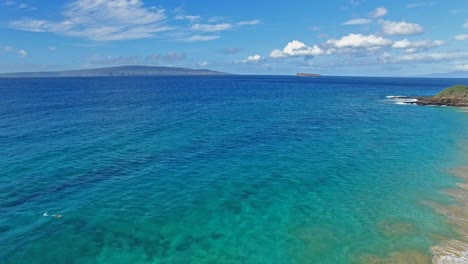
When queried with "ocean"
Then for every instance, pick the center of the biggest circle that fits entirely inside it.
(226, 169)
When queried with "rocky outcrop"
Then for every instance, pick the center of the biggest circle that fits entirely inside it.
(453, 96)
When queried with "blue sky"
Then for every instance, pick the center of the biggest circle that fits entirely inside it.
(336, 37)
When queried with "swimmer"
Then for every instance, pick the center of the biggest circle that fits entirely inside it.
(54, 215)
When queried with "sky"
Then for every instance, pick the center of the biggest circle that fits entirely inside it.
(334, 37)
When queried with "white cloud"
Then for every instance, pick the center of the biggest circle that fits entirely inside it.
(211, 27)
(400, 28)
(356, 2)
(360, 41)
(22, 53)
(22, 6)
(190, 18)
(432, 57)
(466, 24)
(462, 67)
(378, 12)
(358, 47)
(6, 48)
(9, 49)
(251, 59)
(102, 20)
(52, 48)
(461, 37)
(297, 49)
(414, 46)
(249, 22)
(357, 21)
(223, 26)
(457, 11)
(254, 58)
(26, 6)
(197, 38)
(413, 5)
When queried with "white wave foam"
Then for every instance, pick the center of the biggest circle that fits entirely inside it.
(396, 96)
(451, 252)
(405, 101)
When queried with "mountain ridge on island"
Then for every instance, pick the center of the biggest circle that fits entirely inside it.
(126, 70)
(304, 74)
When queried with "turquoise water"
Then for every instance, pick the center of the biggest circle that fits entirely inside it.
(222, 169)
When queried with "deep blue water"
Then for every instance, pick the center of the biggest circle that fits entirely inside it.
(237, 169)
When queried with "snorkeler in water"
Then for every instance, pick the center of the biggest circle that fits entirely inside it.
(54, 215)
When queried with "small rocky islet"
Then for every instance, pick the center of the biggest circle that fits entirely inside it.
(456, 95)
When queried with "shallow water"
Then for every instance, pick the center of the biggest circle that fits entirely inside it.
(225, 170)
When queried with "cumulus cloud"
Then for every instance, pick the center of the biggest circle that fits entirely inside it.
(378, 12)
(296, 48)
(9, 49)
(22, 53)
(400, 28)
(461, 37)
(354, 46)
(360, 41)
(254, 58)
(251, 59)
(415, 46)
(102, 20)
(357, 21)
(357, 44)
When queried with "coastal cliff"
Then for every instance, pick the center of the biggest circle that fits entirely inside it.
(453, 96)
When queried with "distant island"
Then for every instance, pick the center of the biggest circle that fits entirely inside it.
(303, 74)
(453, 74)
(132, 70)
(453, 96)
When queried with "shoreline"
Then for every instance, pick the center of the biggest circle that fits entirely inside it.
(454, 250)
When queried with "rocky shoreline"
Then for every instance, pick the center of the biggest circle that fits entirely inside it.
(456, 96)
(431, 100)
